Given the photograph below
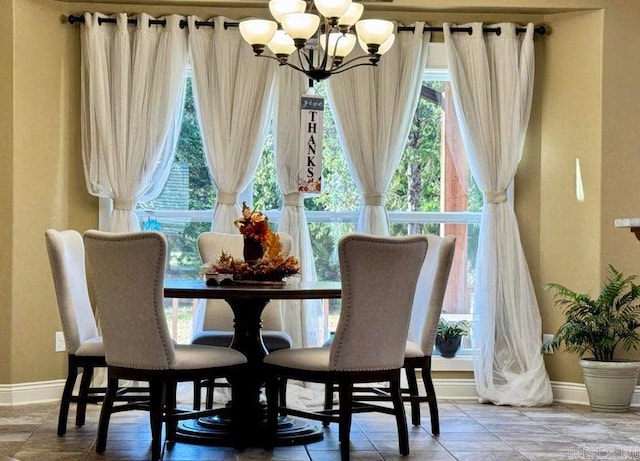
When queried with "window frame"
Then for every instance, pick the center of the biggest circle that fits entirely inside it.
(436, 69)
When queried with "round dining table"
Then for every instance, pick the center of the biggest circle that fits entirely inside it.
(247, 302)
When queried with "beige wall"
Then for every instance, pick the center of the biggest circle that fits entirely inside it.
(585, 104)
(41, 183)
(6, 183)
(571, 98)
(620, 153)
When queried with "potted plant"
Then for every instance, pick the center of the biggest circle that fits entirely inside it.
(595, 328)
(449, 336)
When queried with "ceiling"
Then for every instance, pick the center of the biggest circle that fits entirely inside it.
(459, 6)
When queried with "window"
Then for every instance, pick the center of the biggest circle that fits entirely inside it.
(431, 192)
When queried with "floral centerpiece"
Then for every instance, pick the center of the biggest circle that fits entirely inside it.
(254, 226)
(264, 260)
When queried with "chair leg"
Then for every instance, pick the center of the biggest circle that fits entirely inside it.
(413, 392)
(197, 394)
(156, 397)
(105, 414)
(211, 385)
(83, 394)
(171, 408)
(433, 402)
(344, 429)
(328, 400)
(401, 418)
(65, 401)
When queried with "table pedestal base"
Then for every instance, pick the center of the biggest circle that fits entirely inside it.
(214, 430)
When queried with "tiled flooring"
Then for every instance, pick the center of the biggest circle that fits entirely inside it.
(469, 431)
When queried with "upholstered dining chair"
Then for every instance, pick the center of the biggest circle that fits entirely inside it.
(128, 277)
(218, 319)
(427, 307)
(379, 276)
(83, 342)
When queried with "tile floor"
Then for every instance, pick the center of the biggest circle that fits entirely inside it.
(469, 431)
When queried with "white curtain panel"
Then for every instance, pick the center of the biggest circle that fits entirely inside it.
(373, 108)
(132, 102)
(232, 92)
(303, 320)
(492, 84)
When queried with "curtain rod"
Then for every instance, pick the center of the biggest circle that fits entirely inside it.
(540, 30)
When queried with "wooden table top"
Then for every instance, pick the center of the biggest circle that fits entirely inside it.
(290, 290)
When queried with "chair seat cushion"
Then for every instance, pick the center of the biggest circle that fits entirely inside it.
(193, 357)
(91, 348)
(309, 358)
(273, 340)
(218, 338)
(412, 350)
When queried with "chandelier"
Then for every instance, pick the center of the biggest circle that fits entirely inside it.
(322, 41)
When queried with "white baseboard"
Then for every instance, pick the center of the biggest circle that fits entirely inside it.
(575, 393)
(455, 389)
(25, 393)
(50, 391)
(572, 393)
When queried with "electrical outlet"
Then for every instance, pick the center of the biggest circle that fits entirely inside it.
(546, 338)
(60, 344)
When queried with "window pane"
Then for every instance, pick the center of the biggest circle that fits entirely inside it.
(432, 191)
(416, 185)
(189, 187)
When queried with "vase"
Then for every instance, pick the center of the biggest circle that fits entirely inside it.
(448, 346)
(252, 250)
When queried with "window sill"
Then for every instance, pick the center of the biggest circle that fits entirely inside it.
(461, 362)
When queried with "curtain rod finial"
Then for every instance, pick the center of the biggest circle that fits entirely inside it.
(71, 19)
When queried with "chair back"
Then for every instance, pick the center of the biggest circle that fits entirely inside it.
(218, 315)
(379, 276)
(127, 271)
(430, 291)
(66, 258)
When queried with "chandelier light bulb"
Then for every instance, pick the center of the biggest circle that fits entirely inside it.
(332, 8)
(339, 44)
(281, 44)
(374, 31)
(351, 16)
(279, 8)
(386, 46)
(300, 26)
(257, 31)
(382, 49)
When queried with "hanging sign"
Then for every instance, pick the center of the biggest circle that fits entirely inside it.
(311, 130)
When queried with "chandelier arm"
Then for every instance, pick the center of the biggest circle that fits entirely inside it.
(309, 61)
(335, 51)
(344, 68)
(281, 62)
(344, 65)
(325, 58)
(325, 52)
(293, 66)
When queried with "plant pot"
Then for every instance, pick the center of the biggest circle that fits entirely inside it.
(610, 385)
(448, 346)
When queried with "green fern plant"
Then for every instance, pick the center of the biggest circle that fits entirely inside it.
(599, 325)
(452, 328)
